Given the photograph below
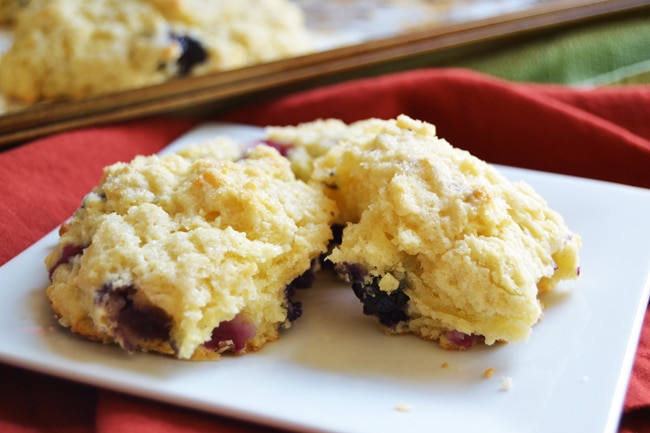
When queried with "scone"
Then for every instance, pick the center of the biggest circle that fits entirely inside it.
(237, 33)
(9, 10)
(190, 254)
(66, 49)
(436, 242)
(70, 49)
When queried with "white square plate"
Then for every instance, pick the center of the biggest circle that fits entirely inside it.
(334, 371)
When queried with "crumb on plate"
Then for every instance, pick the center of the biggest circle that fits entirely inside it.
(401, 407)
(506, 383)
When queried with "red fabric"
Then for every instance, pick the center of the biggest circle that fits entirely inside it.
(599, 133)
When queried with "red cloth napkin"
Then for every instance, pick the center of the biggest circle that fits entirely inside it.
(599, 133)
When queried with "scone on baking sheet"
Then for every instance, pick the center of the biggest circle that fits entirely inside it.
(9, 10)
(437, 242)
(190, 254)
(237, 33)
(70, 49)
(75, 48)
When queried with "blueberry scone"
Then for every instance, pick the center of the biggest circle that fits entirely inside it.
(9, 10)
(70, 49)
(78, 48)
(436, 242)
(191, 254)
(237, 33)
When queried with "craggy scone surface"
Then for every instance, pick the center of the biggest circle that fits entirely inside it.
(69, 49)
(189, 254)
(436, 242)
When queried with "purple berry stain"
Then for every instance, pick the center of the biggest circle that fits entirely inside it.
(232, 334)
(133, 323)
(461, 340)
(280, 147)
(68, 252)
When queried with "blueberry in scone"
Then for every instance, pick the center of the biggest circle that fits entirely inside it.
(67, 49)
(236, 33)
(192, 53)
(436, 242)
(71, 49)
(190, 254)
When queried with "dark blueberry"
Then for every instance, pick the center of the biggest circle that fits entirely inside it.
(192, 54)
(133, 323)
(67, 253)
(304, 281)
(351, 272)
(337, 238)
(231, 334)
(388, 307)
(294, 310)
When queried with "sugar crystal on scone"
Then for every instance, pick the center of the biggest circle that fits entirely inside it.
(190, 254)
(436, 242)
